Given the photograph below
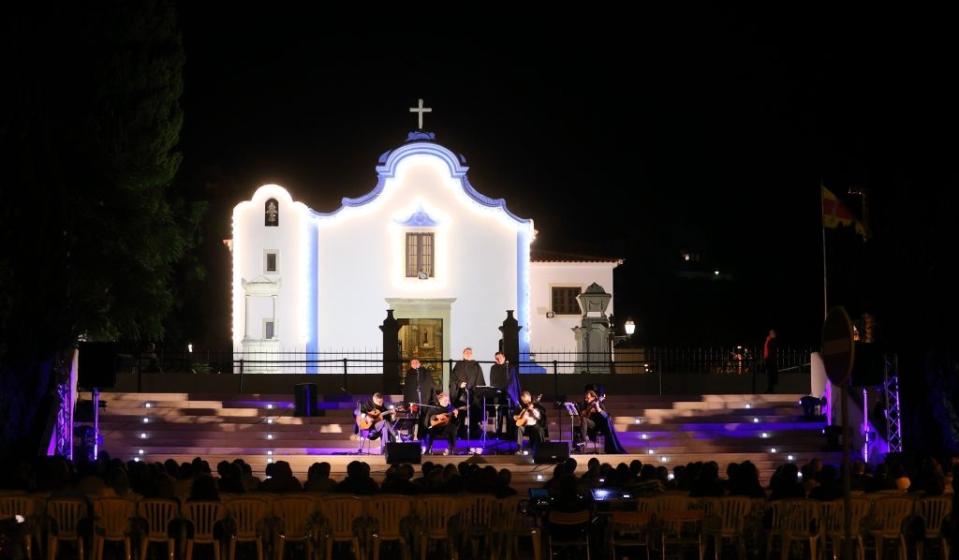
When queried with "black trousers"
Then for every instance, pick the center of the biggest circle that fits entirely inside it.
(534, 432)
(772, 374)
(447, 431)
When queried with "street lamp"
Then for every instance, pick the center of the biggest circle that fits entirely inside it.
(630, 327)
(615, 339)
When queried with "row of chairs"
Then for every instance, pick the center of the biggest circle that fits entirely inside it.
(681, 520)
(272, 523)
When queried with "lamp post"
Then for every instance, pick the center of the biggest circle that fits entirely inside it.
(630, 327)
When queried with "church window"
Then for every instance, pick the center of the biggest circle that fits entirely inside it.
(564, 300)
(268, 329)
(271, 213)
(271, 261)
(419, 255)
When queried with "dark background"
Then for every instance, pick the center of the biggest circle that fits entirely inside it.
(635, 136)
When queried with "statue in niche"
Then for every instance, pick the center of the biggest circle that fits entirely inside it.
(272, 213)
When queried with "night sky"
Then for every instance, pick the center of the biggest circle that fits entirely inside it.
(635, 136)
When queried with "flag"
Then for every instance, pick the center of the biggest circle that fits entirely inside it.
(835, 214)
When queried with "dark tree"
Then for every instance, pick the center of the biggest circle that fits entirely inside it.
(90, 125)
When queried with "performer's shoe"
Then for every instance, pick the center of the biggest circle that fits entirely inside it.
(446, 452)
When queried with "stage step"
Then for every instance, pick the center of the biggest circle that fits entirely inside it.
(666, 431)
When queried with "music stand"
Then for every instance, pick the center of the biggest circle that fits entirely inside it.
(573, 410)
(487, 391)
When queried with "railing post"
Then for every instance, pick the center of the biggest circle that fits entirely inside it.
(241, 375)
(346, 387)
(555, 378)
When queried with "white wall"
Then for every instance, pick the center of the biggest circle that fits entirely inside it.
(556, 335)
(362, 261)
(251, 238)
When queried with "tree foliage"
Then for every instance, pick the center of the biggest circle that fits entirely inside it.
(90, 127)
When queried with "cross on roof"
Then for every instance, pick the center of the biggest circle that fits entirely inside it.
(420, 110)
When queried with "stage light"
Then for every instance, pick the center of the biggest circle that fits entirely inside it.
(146, 420)
(269, 460)
(645, 436)
(525, 452)
(790, 458)
(670, 476)
(602, 480)
(148, 405)
(773, 450)
(764, 435)
(749, 405)
(143, 435)
(269, 420)
(539, 478)
(269, 406)
(637, 421)
(652, 451)
(136, 459)
(140, 452)
(755, 420)
(269, 453)
(664, 459)
(269, 436)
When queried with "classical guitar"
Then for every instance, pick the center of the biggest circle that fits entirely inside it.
(591, 407)
(367, 420)
(522, 418)
(443, 418)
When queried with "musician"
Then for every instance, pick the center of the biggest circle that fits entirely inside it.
(532, 416)
(499, 377)
(466, 375)
(375, 411)
(443, 421)
(419, 387)
(593, 420)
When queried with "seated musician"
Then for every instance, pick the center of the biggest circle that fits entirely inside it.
(530, 421)
(593, 419)
(443, 423)
(374, 416)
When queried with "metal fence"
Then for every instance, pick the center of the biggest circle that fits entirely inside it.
(736, 360)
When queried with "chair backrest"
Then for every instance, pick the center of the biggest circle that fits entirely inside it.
(113, 516)
(435, 513)
(933, 511)
(247, 514)
(507, 513)
(296, 515)
(19, 504)
(203, 515)
(671, 502)
(388, 512)
(158, 514)
(794, 516)
(631, 521)
(731, 512)
(831, 515)
(340, 513)
(890, 514)
(569, 519)
(477, 510)
(66, 513)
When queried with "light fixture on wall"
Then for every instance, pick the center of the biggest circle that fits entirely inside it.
(550, 314)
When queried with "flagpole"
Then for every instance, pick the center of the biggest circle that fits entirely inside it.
(822, 223)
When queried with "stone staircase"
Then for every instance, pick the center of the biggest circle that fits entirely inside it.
(765, 429)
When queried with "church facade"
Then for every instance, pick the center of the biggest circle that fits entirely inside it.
(446, 259)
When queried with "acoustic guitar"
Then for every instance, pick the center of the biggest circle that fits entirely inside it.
(367, 420)
(521, 418)
(443, 418)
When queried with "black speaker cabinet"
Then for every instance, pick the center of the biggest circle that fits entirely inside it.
(551, 452)
(97, 365)
(304, 397)
(397, 452)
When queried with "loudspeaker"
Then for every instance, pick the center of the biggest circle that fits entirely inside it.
(869, 368)
(97, 365)
(304, 397)
(551, 452)
(397, 452)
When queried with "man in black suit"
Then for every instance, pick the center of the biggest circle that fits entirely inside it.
(466, 375)
(419, 388)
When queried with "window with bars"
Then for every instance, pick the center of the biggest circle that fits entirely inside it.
(419, 255)
(564, 300)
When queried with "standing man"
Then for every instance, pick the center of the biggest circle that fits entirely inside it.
(466, 375)
(499, 378)
(771, 359)
(419, 388)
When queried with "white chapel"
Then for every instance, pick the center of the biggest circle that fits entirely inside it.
(423, 242)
